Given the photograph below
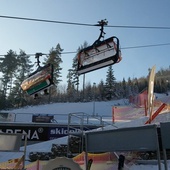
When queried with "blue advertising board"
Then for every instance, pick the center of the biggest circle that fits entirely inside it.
(38, 132)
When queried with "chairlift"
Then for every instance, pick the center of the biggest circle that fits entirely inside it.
(39, 80)
(100, 54)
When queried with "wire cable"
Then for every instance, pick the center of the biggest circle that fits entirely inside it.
(123, 48)
(82, 24)
(146, 46)
(43, 20)
(137, 27)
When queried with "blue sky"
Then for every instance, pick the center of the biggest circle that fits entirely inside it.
(35, 37)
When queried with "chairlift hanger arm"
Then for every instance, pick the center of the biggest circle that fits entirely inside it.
(102, 23)
(37, 56)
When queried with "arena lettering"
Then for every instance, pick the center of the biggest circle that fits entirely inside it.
(31, 134)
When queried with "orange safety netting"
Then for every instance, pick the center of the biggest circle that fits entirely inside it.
(139, 107)
(120, 113)
(100, 157)
(139, 100)
(10, 164)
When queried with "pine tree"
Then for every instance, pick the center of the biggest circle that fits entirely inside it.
(70, 87)
(100, 90)
(124, 88)
(54, 58)
(73, 74)
(129, 87)
(8, 69)
(135, 86)
(88, 92)
(110, 84)
(24, 68)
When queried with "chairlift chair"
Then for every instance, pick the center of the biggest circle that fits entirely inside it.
(38, 80)
(99, 55)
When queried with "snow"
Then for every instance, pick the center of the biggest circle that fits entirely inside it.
(103, 109)
(146, 167)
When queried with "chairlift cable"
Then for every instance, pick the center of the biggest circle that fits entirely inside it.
(122, 48)
(83, 24)
(146, 46)
(44, 20)
(137, 27)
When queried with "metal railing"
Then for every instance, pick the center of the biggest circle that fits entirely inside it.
(86, 122)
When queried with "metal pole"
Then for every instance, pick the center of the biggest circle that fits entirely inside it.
(68, 140)
(94, 86)
(165, 159)
(86, 154)
(83, 85)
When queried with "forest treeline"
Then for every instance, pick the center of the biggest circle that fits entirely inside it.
(15, 68)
